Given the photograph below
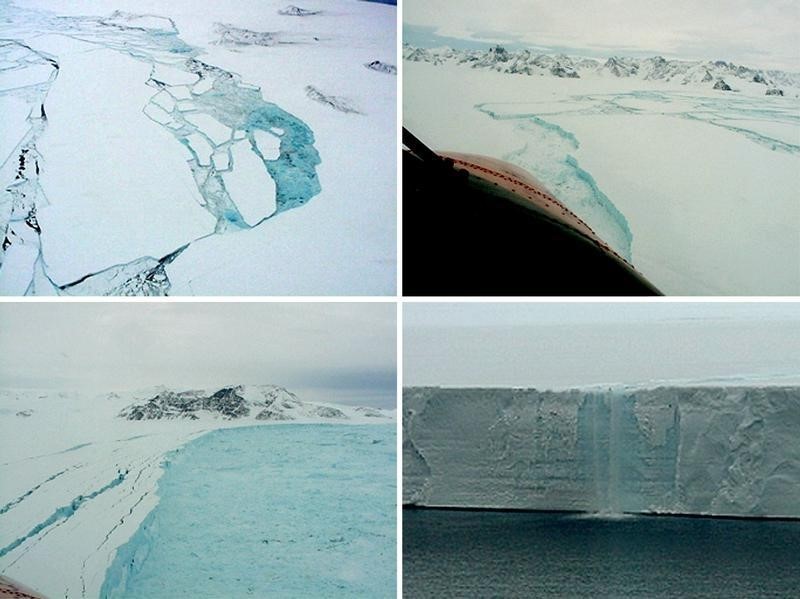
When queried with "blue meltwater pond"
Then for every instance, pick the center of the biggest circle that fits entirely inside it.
(295, 510)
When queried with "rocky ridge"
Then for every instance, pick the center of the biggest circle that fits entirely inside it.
(262, 402)
(657, 68)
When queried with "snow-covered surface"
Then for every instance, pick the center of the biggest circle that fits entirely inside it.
(173, 149)
(77, 478)
(701, 187)
(688, 450)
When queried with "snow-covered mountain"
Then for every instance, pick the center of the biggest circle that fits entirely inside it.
(656, 68)
(261, 402)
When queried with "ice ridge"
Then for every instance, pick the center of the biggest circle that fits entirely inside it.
(237, 36)
(381, 67)
(296, 11)
(336, 102)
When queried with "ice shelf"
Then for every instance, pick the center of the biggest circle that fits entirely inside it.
(694, 186)
(68, 501)
(685, 450)
(202, 106)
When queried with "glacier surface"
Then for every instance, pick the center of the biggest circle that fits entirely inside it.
(729, 451)
(698, 188)
(177, 148)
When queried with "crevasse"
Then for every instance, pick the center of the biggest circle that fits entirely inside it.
(547, 154)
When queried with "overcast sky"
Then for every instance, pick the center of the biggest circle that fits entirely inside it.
(322, 351)
(553, 346)
(761, 33)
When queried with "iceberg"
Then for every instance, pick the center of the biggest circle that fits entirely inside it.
(704, 450)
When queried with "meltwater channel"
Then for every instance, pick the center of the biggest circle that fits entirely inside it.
(291, 510)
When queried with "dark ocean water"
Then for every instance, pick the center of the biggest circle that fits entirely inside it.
(517, 554)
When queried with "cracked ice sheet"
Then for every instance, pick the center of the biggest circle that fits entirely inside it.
(710, 211)
(725, 225)
(32, 452)
(118, 184)
(343, 241)
(13, 125)
(81, 435)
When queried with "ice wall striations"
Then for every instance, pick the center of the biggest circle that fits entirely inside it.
(690, 450)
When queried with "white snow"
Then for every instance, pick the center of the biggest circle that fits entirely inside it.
(712, 210)
(72, 445)
(121, 188)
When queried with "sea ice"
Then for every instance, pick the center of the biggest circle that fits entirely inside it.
(289, 499)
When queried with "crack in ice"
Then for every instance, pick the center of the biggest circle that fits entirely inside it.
(30, 492)
(63, 513)
(548, 156)
(186, 88)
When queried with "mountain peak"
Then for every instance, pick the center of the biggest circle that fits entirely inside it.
(655, 68)
(261, 402)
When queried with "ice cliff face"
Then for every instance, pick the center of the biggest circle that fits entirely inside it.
(262, 402)
(689, 450)
(657, 68)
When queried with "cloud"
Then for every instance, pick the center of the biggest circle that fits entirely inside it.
(106, 346)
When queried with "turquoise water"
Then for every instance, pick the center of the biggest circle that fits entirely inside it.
(297, 510)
